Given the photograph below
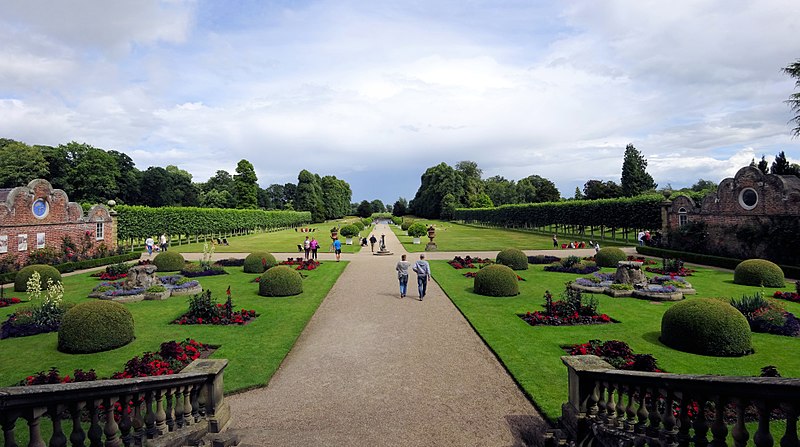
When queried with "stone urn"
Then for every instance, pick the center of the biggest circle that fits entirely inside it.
(431, 246)
(334, 233)
(141, 276)
(431, 233)
(630, 272)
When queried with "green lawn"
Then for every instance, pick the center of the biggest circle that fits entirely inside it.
(457, 237)
(254, 351)
(532, 354)
(283, 241)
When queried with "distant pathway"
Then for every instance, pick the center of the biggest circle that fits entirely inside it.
(371, 369)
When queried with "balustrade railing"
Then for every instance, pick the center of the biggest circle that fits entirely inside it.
(628, 408)
(113, 413)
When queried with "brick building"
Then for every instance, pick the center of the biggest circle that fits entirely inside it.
(751, 215)
(37, 216)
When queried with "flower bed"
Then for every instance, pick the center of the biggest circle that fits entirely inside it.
(788, 296)
(105, 276)
(114, 290)
(642, 259)
(203, 309)
(572, 309)
(301, 264)
(543, 259)
(230, 262)
(474, 274)
(196, 270)
(618, 354)
(468, 262)
(580, 269)
(5, 302)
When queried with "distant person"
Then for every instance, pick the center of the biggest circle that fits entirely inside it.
(555, 241)
(149, 242)
(647, 237)
(372, 241)
(402, 275)
(162, 241)
(307, 247)
(423, 271)
(224, 241)
(596, 247)
(640, 238)
(364, 242)
(314, 247)
(337, 248)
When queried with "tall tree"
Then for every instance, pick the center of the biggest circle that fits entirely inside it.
(378, 206)
(781, 165)
(578, 195)
(635, 179)
(793, 70)
(597, 189)
(129, 179)
(704, 185)
(501, 191)
(364, 209)
(92, 173)
(537, 189)
(436, 182)
(245, 184)
(336, 194)
(275, 198)
(309, 196)
(400, 207)
(20, 163)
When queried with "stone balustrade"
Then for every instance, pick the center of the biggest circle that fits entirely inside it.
(157, 411)
(629, 408)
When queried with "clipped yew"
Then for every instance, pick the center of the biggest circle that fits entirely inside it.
(259, 262)
(95, 326)
(169, 261)
(758, 272)
(706, 326)
(280, 281)
(496, 280)
(514, 258)
(45, 272)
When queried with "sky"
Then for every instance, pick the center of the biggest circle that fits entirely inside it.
(375, 92)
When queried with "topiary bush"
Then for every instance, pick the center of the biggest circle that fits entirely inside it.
(513, 258)
(417, 229)
(406, 224)
(706, 326)
(360, 225)
(349, 230)
(259, 262)
(496, 280)
(280, 281)
(609, 257)
(95, 326)
(45, 272)
(169, 261)
(758, 272)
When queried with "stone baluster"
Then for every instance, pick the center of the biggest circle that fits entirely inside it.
(202, 399)
(58, 439)
(34, 417)
(149, 416)
(684, 421)
(9, 421)
(188, 419)
(169, 396)
(139, 434)
(669, 421)
(125, 423)
(719, 430)
(592, 407)
(111, 427)
(762, 436)
(178, 408)
(699, 423)
(620, 406)
(611, 405)
(630, 414)
(654, 417)
(642, 415)
(602, 413)
(739, 432)
(77, 437)
(95, 431)
(161, 415)
(789, 438)
(196, 403)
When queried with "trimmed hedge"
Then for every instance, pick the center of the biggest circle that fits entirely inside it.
(609, 257)
(45, 272)
(280, 281)
(715, 261)
(758, 272)
(496, 280)
(259, 262)
(66, 267)
(706, 326)
(95, 326)
(514, 258)
(169, 261)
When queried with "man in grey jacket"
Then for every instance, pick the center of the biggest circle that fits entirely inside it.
(423, 271)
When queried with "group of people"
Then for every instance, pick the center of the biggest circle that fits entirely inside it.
(644, 237)
(150, 244)
(423, 270)
(576, 244)
(311, 247)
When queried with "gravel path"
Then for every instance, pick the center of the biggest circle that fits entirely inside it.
(372, 369)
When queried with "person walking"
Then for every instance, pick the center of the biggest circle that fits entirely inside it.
(149, 242)
(423, 271)
(555, 241)
(307, 247)
(372, 241)
(402, 274)
(163, 242)
(337, 248)
(314, 244)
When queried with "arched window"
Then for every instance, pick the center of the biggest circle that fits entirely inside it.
(683, 218)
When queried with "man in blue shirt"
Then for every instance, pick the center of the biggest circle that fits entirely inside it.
(337, 248)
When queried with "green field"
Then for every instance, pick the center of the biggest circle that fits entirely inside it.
(457, 237)
(254, 351)
(532, 354)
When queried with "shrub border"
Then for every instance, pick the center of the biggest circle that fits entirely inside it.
(67, 267)
(715, 261)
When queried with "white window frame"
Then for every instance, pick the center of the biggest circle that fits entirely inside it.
(683, 217)
(99, 232)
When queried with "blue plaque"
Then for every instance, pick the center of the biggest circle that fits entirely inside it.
(39, 208)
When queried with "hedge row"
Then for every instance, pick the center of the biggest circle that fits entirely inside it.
(66, 267)
(142, 221)
(635, 212)
(716, 261)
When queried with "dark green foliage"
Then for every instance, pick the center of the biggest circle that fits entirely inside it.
(437, 182)
(496, 280)
(309, 196)
(359, 224)
(245, 184)
(280, 281)
(748, 304)
(336, 195)
(635, 179)
(514, 258)
(259, 262)
(203, 306)
(609, 257)
(169, 261)
(758, 272)
(400, 207)
(348, 230)
(45, 272)
(706, 326)
(364, 209)
(417, 229)
(95, 326)
(20, 163)
(793, 70)
(537, 189)
(597, 189)
(406, 224)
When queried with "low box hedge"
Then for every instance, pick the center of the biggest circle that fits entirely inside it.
(6, 278)
(716, 261)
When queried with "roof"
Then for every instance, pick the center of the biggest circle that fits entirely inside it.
(4, 193)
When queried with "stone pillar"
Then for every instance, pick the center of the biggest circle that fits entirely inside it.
(574, 411)
(114, 223)
(665, 206)
(218, 412)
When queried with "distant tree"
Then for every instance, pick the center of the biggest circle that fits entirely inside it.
(537, 189)
(364, 209)
(597, 189)
(129, 179)
(471, 174)
(309, 196)
(245, 184)
(174, 170)
(704, 185)
(378, 206)
(436, 182)
(275, 198)
(763, 165)
(400, 207)
(20, 163)
(481, 200)
(215, 198)
(92, 173)
(500, 190)
(793, 70)
(448, 206)
(336, 195)
(158, 188)
(289, 192)
(578, 194)
(781, 165)
(635, 179)
(221, 181)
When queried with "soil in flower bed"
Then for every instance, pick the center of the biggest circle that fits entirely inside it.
(468, 262)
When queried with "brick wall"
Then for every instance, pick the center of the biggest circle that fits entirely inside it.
(58, 217)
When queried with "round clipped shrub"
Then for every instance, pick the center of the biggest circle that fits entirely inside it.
(496, 280)
(169, 261)
(360, 225)
(609, 257)
(758, 272)
(417, 229)
(513, 258)
(95, 326)
(259, 262)
(406, 224)
(349, 230)
(706, 326)
(45, 272)
(280, 281)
